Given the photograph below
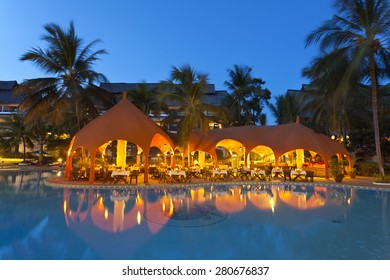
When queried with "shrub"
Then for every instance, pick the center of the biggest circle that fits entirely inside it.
(367, 168)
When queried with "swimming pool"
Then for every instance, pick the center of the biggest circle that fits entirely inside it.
(205, 222)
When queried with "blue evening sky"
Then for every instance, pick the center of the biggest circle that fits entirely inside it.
(145, 38)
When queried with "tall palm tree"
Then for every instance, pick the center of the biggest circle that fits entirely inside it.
(145, 98)
(361, 32)
(14, 131)
(71, 87)
(39, 132)
(247, 95)
(186, 88)
(331, 95)
(286, 109)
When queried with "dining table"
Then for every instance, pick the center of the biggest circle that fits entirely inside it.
(177, 175)
(277, 171)
(121, 175)
(220, 175)
(298, 174)
(258, 173)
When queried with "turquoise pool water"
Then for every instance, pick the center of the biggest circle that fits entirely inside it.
(227, 222)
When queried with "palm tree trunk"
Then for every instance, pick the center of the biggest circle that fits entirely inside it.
(24, 149)
(78, 116)
(188, 154)
(375, 119)
(40, 159)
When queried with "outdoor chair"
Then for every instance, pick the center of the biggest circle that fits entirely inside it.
(268, 173)
(153, 172)
(163, 177)
(99, 174)
(309, 176)
(188, 176)
(75, 173)
(245, 174)
(207, 174)
(133, 175)
(287, 175)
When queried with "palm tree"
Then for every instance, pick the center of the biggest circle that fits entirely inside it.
(330, 96)
(247, 96)
(145, 98)
(186, 88)
(14, 132)
(361, 33)
(39, 131)
(287, 108)
(71, 88)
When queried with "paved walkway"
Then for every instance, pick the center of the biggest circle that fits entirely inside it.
(359, 181)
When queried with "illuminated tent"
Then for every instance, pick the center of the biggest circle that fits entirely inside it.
(123, 121)
(279, 138)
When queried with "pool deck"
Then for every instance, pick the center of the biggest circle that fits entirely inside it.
(60, 182)
(358, 182)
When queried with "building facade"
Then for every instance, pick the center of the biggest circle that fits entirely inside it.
(9, 103)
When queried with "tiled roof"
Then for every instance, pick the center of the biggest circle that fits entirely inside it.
(121, 87)
(6, 93)
(212, 96)
(7, 85)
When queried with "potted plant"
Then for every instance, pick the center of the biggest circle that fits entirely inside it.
(353, 172)
(335, 169)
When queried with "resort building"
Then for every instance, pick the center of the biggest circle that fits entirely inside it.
(9, 103)
(212, 96)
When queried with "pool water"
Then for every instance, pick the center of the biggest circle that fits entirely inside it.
(225, 222)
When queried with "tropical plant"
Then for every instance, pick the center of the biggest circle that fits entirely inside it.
(247, 96)
(14, 132)
(145, 98)
(186, 88)
(328, 97)
(71, 88)
(360, 33)
(287, 108)
(335, 169)
(40, 130)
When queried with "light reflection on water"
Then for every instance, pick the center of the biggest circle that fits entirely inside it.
(278, 221)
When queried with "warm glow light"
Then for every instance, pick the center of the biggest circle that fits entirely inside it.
(59, 174)
(138, 199)
(139, 217)
(170, 208)
(60, 160)
(272, 203)
(106, 213)
(65, 206)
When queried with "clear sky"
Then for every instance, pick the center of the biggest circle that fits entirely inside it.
(145, 38)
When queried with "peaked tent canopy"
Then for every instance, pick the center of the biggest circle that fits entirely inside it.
(124, 121)
(279, 138)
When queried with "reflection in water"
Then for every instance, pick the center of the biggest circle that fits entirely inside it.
(129, 219)
(28, 181)
(204, 222)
